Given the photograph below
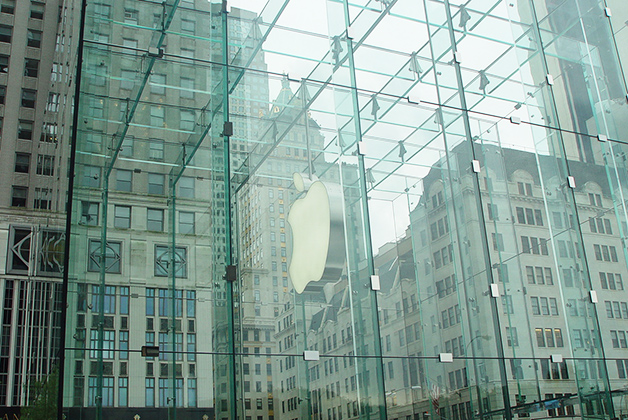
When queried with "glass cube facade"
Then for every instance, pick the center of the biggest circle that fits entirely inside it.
(334, 209)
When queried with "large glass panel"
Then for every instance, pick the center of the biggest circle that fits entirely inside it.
(338, 210)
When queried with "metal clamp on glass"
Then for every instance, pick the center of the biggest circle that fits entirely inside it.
(311, 355)
(231, 273)
(227, 129)
(155, 52)
(446, 357)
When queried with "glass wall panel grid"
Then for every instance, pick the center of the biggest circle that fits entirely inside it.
(226, 117)
(136, 281)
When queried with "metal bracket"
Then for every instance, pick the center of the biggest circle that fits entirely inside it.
(446, 357)
(375, 284)
(155, 52)
(227, 129)
(231, 273)
(550, 79)
(556, 358)
(593, 296)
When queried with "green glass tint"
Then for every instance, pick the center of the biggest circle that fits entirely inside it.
(341, 210)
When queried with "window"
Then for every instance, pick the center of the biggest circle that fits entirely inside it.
(612, 281)
(22, 162)
(531, 245)
(498, 241)
(156, 184)
(188, 26)
(187, 87)
(49, 133)
(19, 196)
(28, 98)
(113, 260)
(91, 177)
(45, 165)
(127, 79)
(31, 67)
(156, 149)
(492, 211)
(187, 120)
(89, 213)
(507, 304)
(130, 16)
(595, 200)
(37, 10)
(25, 130)
(158, 84)
(155, 220)
(4, 63)
(43, 199)
(525, 188)
(157, 118)
(605, 252)
(548, 337)
(124, 180)
(3, 94)
(102, 11)
(126, 149)
(164, 258)
(34, 38)
(5, 33)
(122, 217)
(186, 223)
(511, 337)
(7, 6)
(186, 187)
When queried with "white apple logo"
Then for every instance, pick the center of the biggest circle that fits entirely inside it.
(318, 251)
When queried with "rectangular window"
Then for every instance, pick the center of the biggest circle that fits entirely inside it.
(37, 10)
(5, 33)
(186, 187)
(49, 133)
(45, 165)
(122, 217)
(186, 223)
(113, 257)
(7, 6)
(164, 260)
(158, 84)
(157, 118)
(124, 180)
(22, 162)
(156, 184)
(19, 196)
(155, 220)
(34, 38)
(28, 98)
(31, 67)
(25, 130)
(43, 198)
(187, 122)
(188, 26)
